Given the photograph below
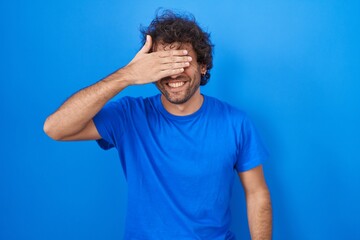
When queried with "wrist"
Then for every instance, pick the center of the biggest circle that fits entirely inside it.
(119, 79)
(125, 76)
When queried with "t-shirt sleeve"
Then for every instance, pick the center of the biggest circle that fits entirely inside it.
(110, 122)
(251, 150)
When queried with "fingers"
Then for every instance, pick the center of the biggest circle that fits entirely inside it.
(174, 59)
(148, 67)
(170, 72)
(174, 65)
(147, 46)
(171, 53)
(173, 62)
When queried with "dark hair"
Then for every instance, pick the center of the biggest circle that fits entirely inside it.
(170, 27)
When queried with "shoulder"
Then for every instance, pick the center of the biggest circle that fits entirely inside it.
(224, 108)
(128, 100)
(133, 102)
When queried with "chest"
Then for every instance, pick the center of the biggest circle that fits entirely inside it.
(186, 149)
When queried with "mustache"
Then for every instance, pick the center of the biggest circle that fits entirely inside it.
(179, 78)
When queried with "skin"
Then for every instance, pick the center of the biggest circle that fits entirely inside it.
(169, 64)
(186, 99)
(258, 203)
(73, 120)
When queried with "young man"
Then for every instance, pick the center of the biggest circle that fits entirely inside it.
(179, 149)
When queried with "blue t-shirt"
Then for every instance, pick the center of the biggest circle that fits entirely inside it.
(179, 169)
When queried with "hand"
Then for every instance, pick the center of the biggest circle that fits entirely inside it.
(148, 67)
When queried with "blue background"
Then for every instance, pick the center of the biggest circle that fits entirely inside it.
(294, 66)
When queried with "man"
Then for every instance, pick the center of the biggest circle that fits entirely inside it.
(179, 149)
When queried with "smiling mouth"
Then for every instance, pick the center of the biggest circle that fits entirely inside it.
(175, 84)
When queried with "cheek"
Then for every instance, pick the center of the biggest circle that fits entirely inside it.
(187, 72)
(192, 70)
(158, 85)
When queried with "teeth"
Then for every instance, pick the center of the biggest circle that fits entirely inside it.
(176, 84)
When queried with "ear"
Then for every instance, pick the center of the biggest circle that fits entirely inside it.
(203, 69)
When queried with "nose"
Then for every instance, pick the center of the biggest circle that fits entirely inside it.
(175, 76)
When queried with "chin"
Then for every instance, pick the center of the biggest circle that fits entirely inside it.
(179, 97)
(176, 100)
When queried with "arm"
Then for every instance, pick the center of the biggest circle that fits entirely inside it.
(258, 203)
(73, 120)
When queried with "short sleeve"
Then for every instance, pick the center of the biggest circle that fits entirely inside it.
(110, 122)
(251, 150)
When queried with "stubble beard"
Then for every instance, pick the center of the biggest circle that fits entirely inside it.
(179, 98)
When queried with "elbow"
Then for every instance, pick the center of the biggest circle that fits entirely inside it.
(50, 130)
(261, 193)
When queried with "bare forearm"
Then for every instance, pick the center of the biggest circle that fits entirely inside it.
(80, 108)
(260, 215)
(77, 112)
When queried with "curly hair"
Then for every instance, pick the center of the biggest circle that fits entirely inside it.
(170, 27)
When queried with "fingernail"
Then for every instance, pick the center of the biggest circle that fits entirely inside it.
(185, 52)
(189, 58)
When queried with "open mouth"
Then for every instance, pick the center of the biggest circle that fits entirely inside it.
(175, 84)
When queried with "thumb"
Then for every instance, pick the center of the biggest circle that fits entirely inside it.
(147, 46)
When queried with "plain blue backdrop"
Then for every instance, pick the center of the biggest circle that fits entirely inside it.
(293, 66)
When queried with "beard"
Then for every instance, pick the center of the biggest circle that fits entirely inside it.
(178, 97)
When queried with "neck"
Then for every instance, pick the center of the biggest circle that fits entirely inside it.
(187, 108)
